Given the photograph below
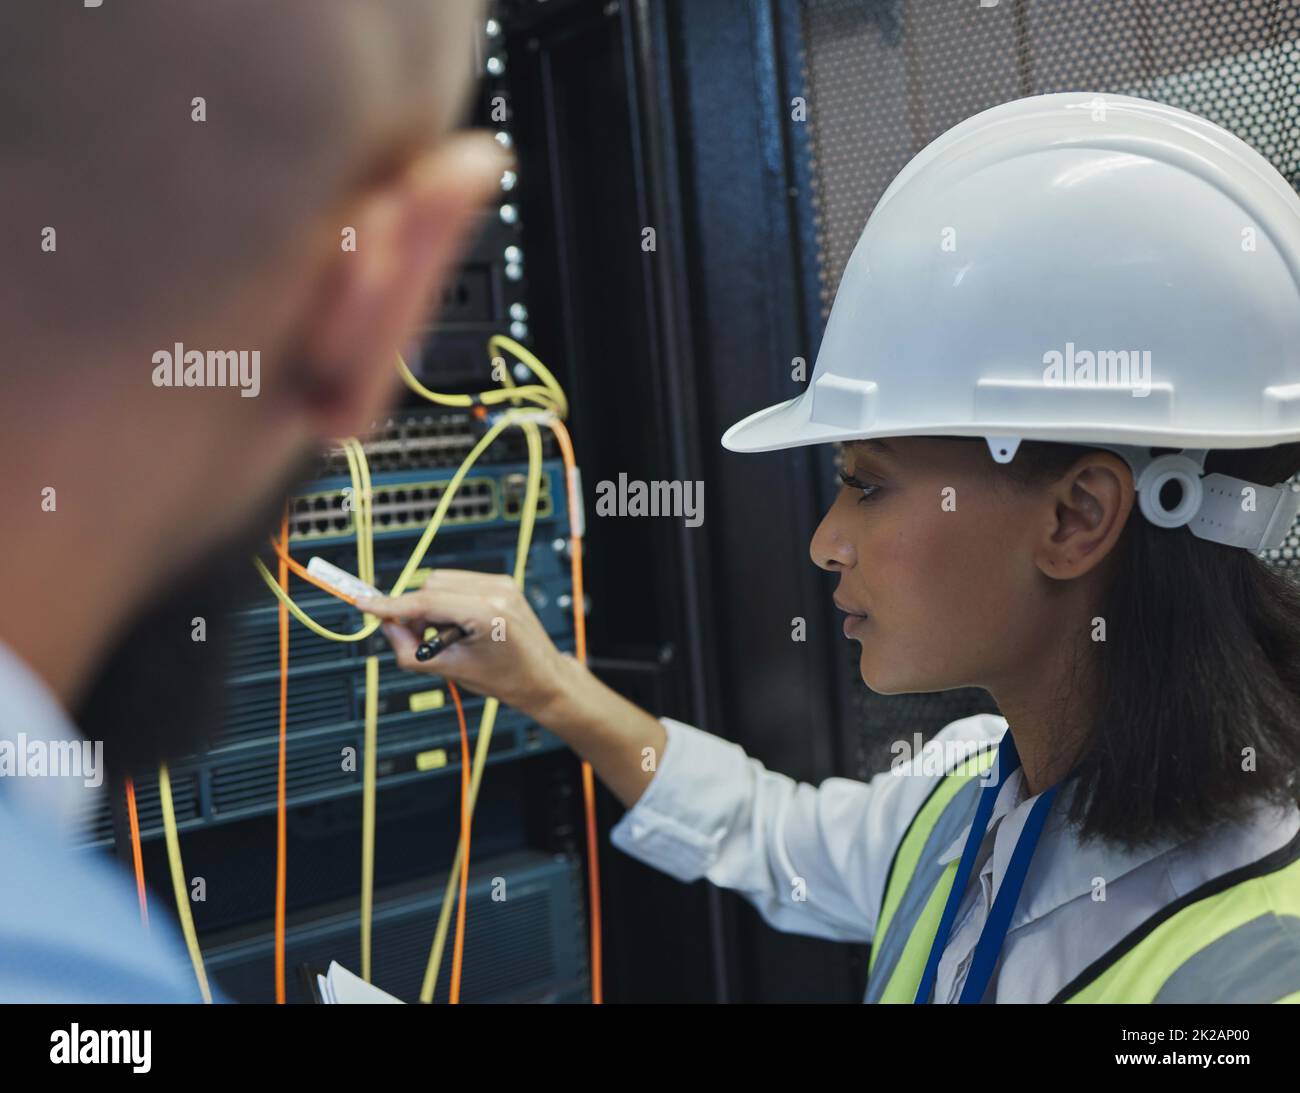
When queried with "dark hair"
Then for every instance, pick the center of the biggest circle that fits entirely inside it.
(1201, 662)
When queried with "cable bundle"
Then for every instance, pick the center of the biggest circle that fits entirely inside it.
(548, 407)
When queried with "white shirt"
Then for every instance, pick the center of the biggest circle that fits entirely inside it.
(814, 859)
(70, 927)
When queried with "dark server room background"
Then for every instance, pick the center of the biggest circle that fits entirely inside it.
(754, 137)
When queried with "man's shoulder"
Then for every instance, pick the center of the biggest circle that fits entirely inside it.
(70, 928)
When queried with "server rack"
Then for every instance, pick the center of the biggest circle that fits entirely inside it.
(527, 835)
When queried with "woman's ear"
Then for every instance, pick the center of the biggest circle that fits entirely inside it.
(1087, 508)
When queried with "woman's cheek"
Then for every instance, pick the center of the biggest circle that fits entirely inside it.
(935, 578)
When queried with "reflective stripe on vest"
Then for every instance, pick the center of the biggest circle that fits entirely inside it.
(1233, 939)
(918, 885)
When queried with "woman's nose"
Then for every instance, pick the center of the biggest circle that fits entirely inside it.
(830, 549)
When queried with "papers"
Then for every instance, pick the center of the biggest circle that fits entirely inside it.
(339, 987)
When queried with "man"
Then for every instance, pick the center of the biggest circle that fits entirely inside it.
(182, 181)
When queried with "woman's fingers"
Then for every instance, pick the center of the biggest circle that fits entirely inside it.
(507, 652)
(467, 579)
(406, 606)
(428, 605)
(404, 642)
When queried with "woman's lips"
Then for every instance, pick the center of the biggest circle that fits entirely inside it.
(854, 620)
(851, 624)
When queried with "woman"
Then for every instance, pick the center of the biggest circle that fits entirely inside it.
(1062, 369)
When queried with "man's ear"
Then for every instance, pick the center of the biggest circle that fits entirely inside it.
(410, 231)
(1089, 507)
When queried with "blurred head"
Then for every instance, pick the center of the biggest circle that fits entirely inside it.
(179, 172)
(1041, 582)
(201, 166)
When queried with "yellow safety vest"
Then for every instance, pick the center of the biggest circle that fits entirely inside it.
(1234, 939)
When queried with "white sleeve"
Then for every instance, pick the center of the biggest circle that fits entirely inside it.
(812, 859)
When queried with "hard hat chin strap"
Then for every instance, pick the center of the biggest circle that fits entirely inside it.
(1216, 507)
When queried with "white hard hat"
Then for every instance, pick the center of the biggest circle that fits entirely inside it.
(1083, 268)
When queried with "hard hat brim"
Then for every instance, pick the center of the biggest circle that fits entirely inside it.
(788, 425)
(782, 425)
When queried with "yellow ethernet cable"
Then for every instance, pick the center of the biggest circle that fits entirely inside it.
(556, 392)
(547, 397)
(178, 882)
(508, 418)
(552, 401)
(488, 719)
(368, 812)
(359, 468)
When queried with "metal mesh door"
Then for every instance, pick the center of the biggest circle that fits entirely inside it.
(885, 77)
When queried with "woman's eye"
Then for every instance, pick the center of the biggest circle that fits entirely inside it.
(867, 489)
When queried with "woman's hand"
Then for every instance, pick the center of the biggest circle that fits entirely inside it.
(509, 656)
(506, 654)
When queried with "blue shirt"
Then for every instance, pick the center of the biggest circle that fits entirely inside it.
(70, 928)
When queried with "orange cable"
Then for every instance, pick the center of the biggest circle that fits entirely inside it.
(580, 649)
(300, 570)
(281, 829)
(588, 777)
(287, 564)
(137, 854)
(458, 947)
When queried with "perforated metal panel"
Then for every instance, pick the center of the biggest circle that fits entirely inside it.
(885, 77)
(1288, 555)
